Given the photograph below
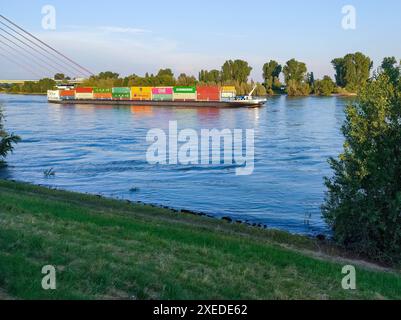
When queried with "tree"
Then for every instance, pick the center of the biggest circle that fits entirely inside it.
(108, 75)
(237, 70)
(165, 72)
(295, 78)
(294, 70)
(352, 71)
(165, 77)
(324, 87)
(260, 90)
(310, 79)
(339, 67)
(271, 69)
(212, 76)
(7, 140)
(59, 76)
(227, 71)
(363, 201)
(184, 80)
(391, 69)
(295, 88)
(271, 74)
(99, 83)
(45, 84)
(242, 88)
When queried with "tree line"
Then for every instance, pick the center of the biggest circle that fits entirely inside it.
(351, 72)
(38, 87)
(233, 73)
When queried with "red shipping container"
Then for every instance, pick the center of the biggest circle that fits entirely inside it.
(67, 93)
(84, 90)
(208, 93)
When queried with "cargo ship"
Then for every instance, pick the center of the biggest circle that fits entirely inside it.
(181, 96)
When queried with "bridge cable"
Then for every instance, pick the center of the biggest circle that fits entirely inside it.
(26, 63)
(56, 68)
(53, 57)
(51, 48)
(20, 65)
(51, 71)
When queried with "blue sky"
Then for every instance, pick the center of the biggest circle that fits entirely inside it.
(139, 36)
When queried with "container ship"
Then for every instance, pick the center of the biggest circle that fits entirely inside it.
(186, 96)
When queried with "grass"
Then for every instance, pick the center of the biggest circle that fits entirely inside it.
(109, 249)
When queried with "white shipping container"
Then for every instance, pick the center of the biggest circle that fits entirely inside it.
(84, 96)
(185, 96)
(53, 95)
(227, 95)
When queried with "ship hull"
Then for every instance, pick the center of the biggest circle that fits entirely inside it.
(208, 104)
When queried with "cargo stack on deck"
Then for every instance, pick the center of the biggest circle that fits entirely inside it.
(102, 93)
(141, 93)
(184, 94)
(162, 94)
(171, 96)
(208, 93)
(122, 93)
(228, 92)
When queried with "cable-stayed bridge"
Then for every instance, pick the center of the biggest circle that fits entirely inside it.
(38, 59)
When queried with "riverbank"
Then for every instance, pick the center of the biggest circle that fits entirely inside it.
(106, 248)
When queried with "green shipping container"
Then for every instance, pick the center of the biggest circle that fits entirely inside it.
(122, 90)
(121, 96)
(102, 90)
(184, 89)
(162, 97)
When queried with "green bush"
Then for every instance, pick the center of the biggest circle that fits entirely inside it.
(295, 88)
(324, 87)
(7, 141)
(363, 202)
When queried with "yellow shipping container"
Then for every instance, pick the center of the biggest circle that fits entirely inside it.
(141, 93)
(228, 89)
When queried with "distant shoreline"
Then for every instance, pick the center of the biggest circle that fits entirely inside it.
(24, 93)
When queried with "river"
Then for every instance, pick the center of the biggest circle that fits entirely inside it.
(102, 150)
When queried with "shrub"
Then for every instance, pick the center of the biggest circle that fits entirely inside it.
(295, 88)
(324, 87)
(363, 202)
(7, 141)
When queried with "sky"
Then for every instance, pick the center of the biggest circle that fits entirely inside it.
(129, 36)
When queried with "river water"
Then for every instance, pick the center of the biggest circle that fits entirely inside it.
(102, 150)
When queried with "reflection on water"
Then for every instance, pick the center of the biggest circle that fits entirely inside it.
(102, 149)
(142, 110)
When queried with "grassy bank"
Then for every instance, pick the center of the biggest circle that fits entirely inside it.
(112, 249)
